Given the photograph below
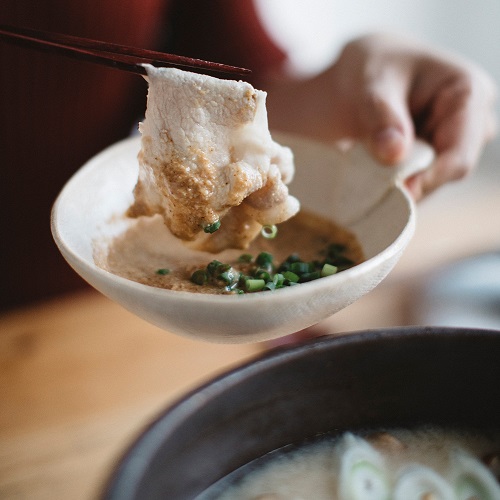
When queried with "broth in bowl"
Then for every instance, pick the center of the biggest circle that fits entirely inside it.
(399, 464)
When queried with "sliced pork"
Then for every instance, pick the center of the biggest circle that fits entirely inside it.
(207, 156)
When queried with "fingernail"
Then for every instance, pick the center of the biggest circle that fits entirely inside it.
(388, 144)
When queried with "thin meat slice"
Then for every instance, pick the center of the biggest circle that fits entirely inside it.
(207, 156)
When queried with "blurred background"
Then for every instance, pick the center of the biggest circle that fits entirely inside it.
(316, 34)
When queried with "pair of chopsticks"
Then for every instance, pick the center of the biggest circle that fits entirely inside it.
(109, 54)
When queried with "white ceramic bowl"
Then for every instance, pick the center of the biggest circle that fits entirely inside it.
(350, 188)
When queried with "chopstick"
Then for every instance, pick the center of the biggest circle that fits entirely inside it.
(109, 54)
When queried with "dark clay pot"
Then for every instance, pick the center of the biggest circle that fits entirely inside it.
(401, 377)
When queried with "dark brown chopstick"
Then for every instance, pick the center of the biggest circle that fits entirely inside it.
(110, 54)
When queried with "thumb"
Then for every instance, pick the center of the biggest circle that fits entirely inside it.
(388, 127)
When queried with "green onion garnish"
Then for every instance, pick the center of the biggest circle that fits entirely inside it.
(230, 277)
(300, 267)
(294, 257)
(199, 277)
(264, 259)
(163, 271)
(211, 228)
(292, 277)
(278, 280)
(328, 270)
(254, 285)
(213, 267)
(245, 257)
(314, 275)
(269, 231)
(221, 269)
(263, 274)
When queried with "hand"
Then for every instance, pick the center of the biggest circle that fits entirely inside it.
(385, 90)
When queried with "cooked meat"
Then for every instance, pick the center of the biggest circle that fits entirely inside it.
(207, 156)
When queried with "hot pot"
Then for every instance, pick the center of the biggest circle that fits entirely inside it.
(401, 377)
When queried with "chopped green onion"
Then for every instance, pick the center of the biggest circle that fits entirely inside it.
(300, 267)
(314, 275)
(163, 271)
(292, 277)
(226, 277)
(328, 270)
(278, 280)
(269, 231)
(211, 228)
(366, 480)
(213, 267)
(471, 478)
(419, 481)
(294, 257)
(221, 269)
(262, 274)
(264, 258)
(230, 277)
(245, 257)
(285, 266)
(199, 277)
(254, 285)
(363, 473)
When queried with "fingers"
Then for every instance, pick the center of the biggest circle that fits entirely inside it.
(448, 166)
(370, 84)
(385, 121)
(389, 143)
(386, 90)
(461, 120)
(399, 88)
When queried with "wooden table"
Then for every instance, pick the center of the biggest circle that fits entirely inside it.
(80, 376)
